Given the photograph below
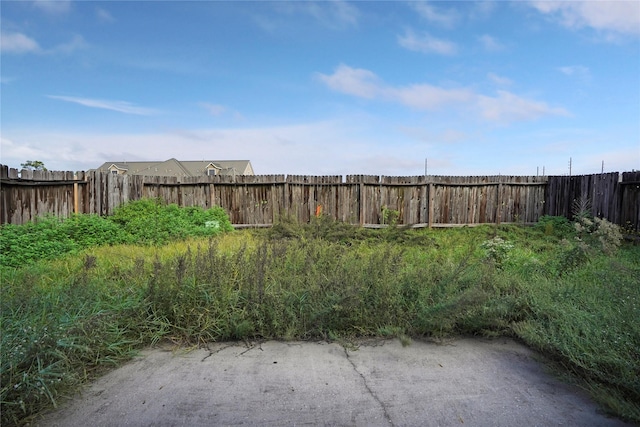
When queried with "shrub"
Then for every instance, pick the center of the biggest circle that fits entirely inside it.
(599, 234)
(41, 239)
(582, 239)
(152, 221)
(555, 226)
(390, 216)
(92, 230)
(145, 221)
(496, 250)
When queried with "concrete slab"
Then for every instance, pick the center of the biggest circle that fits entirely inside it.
(466, 382)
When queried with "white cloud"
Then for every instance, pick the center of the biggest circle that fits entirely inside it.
(76, 43)
(443, 17)
(499, 80)
(345, 12)
(20, 152)
(578, 71)
(490, 43)
(266, 23)
(446, 136)
(615, 16)
(310, 149)
(426, 43)
(213, 109)
(504, 108)
(219, 110)
(482, 9)
(104, 15)
(336, 14)
(18, 43)
(352, 81)
(53, 7)
(119, 106)
(189, 66)
(507, 107)
(427, 97)
(307, 148)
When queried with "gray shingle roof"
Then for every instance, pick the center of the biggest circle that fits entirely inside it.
(174, 167)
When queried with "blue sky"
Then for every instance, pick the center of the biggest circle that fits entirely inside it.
(329, 87)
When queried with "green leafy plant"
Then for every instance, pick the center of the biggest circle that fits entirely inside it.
(147, 221)
(581, 208)
(93, 230)
(41, 239)
(599, 234)
(558, 226)
(390, 216)
(152, 221)
(33, 165)
(65, 320)
(581, 239)
(496, 250)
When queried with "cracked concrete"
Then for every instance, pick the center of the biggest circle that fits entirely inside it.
(371, 392)
(380, 383)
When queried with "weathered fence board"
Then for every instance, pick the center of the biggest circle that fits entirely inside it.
(478, 200)
(38, 194)
(630, 201)
(598, 193)
(359, 199)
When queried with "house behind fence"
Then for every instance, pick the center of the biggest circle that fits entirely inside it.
(179, 168)
(366, 200)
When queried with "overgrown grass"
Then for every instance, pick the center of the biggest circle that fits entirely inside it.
(146, 221)
(65, 319)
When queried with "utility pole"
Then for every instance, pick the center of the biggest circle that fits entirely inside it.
(425, 167)
(569, 166)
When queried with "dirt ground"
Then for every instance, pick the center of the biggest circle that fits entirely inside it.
(464, 382)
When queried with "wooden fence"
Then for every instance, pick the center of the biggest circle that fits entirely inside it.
(420, 201)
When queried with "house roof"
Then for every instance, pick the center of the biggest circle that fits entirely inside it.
(174, 167)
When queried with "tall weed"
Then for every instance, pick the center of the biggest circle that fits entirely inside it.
(321, 281)
(147, 221)
(153, 221)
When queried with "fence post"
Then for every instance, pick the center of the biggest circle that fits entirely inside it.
(430, 197)
(286, 197)
(100, 193)
(361, 202)
(75, 194)
(274, 202)
(499, 203)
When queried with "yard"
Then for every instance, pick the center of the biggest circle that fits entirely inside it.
(568, 290)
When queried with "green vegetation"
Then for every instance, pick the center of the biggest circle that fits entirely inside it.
(147, 221)
(556, 287)
(33, 165)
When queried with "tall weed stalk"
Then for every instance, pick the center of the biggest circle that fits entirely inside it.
(64, 321)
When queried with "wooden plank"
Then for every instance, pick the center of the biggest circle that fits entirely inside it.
(629, 204)
(76, 204)
(360, 199)
(430, 200)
